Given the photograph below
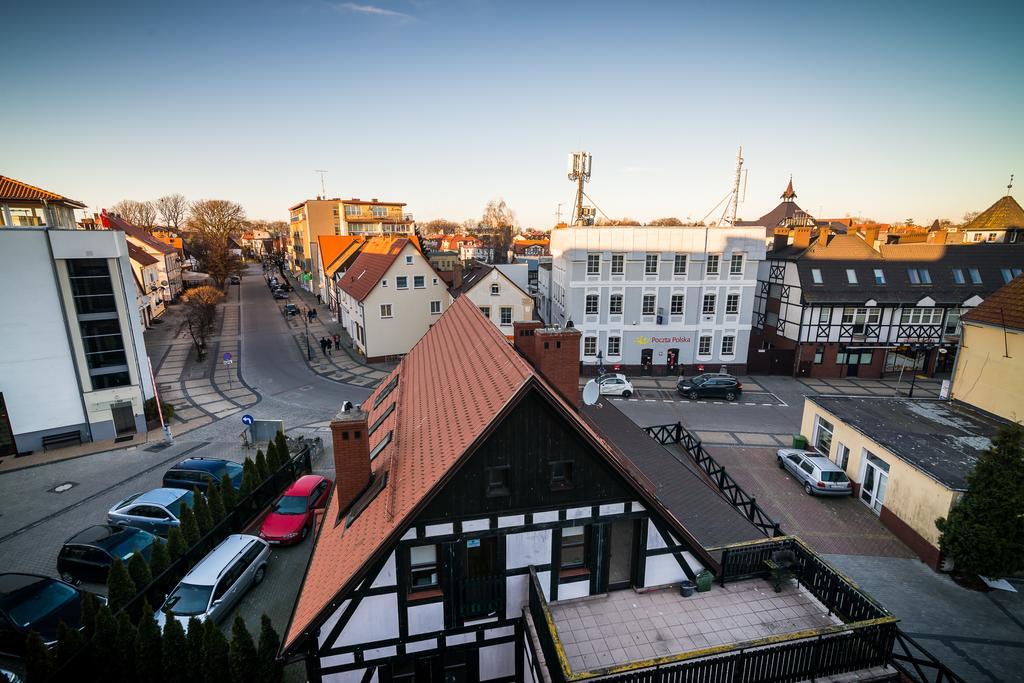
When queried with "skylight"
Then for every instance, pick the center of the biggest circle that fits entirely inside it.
(816, 275)
(385, 391)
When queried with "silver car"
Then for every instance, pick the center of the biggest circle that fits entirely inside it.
(819, 475)
(155, 511)
(218, 582)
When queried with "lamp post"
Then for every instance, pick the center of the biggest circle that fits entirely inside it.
(600, 362)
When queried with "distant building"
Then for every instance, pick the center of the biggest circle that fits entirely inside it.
(26, 206)
(989, 372)
(502, 300)
(146, 270)
(169, 260)
(1001, 222)
(783, 218)
(72, 357)
(335, 253)
(444, 260)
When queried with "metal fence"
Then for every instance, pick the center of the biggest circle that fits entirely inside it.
(544, 624)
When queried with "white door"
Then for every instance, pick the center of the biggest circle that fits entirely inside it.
(875, 481)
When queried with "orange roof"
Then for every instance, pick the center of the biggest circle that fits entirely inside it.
(376, 256)
(335, 248)
(12, 189)
(172, 241)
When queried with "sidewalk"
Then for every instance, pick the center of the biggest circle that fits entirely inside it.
(342, 365)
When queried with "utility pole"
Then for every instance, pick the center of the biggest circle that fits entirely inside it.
(323, 190)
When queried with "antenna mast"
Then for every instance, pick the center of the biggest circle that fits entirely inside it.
(323, 192)
(729, 217)
(579, 173)
(1009, 186)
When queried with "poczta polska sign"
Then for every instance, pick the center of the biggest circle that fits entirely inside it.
(644, 341)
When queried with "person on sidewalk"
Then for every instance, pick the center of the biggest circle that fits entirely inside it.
(337, 342)
(314, 314)
(323, 345)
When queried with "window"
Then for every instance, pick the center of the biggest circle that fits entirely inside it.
(728, 345)
(593, 264)
(649, 303)
(823, 315)
(408, 260)
(381, 445)
(380, 420)
(105, 352)
(591, 304)
(861, 317)
(709, 304)
(505, 315)
(958, 276)
(732, 304)
(352, 210)
(91, 286)
(383, 283)
(851, 276)
(919, 276)
(712, 264)
(486, 310)
(1009, 273)
(614, 346)
(379, 211)
(385, 310)
(422, 567)
(495, 289)
(651, 265)
(385, 391)
(615, 304)
(704, 346)
(561, 474)
(590, 346)
(819, 354)
(498, 481)
(976, 237)
(574, 548)
(952, 321)
(975, 276)
(922, 316)
(418, 281)
(879, 277)
(736, 264)
(402, 282)
(993, 236)
(676, 305)
(435, 307)
(823, 435)
(816, 276)
(618, 261)
(679, 268)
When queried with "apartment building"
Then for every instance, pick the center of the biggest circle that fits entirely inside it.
(72, 360)
(27, 206)
(656, 300)
(315, 217)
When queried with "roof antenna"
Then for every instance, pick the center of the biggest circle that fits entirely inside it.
(323, 190)
(1009, 185)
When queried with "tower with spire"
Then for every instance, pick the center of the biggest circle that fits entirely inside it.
(789, 195)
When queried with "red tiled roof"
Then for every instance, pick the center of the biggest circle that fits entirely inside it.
(1005, 306)
(373, 261)
(118, 223)
(11, 189)
(333, 247)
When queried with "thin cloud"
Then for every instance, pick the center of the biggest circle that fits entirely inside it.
(371, 10)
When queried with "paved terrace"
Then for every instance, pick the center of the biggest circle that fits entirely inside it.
(627, 626)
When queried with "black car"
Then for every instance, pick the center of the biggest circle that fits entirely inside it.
(35, 603)
(291, 309)
(201, 472)
(87, 555)
(710, 385)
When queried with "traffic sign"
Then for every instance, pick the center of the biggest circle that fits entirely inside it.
(227, 357)
(247, 419)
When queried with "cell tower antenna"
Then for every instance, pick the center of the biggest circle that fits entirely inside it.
(323, 191)
(558, 213)
(729, 217)
(579, 172)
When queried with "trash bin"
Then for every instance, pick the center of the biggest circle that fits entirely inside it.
(704, 581)
(686, 588)
(800, 441)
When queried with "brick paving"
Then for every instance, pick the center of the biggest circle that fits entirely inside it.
(841, 525)
(627, 626)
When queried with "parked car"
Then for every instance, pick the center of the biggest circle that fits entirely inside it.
(291, 309)
(291, 518)
(710, 385)
(8, 676)
(87, 555)
(819, 475)
(615, 385)
(200, 473)
(36, 603)
(234, 279)
(605, 376)
(280, 294)
(155, 511)
(213, 586)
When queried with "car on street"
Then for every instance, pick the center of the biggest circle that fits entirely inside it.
(819, 475)
(291, 518)
(615, 385)
(200, 473)
(291, 309)
(605, 376)
(280, 294)
(710, 385)
(213, 586)
(155, 511)
(29, 602)
(87, 555)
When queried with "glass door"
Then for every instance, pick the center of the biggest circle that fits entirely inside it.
(876, 481)
(620, 561)
(483, 583)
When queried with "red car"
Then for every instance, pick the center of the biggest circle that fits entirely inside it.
(291, 518)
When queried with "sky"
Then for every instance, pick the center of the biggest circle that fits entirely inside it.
(877, 109)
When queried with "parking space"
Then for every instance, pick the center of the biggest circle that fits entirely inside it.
(747, 398)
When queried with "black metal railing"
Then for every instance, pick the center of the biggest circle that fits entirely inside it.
(740, 499)
(481, 597)
(544, 624)
(917, 664)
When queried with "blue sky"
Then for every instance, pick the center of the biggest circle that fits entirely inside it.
(888, 110)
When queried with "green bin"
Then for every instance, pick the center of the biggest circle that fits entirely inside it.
(800, 441)
(704, 581)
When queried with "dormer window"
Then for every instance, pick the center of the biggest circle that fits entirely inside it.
(975, 276)
(919, 276)
(561, 475)
(958, 276)
(816, 276)
(851, 276)
(879, 276)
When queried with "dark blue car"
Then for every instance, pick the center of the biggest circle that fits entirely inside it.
(35, 603)
(200, 473)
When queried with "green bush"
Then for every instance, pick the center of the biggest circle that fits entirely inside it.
(250, 479)
(273, 461)
(148, 646)
(120, 586)
(227, 492)
(124, 648)
(176, 543)
(215, 502)
(139, 571)
(149, 408)
(174, 653)
(262, 470)
(216, 663)
(90, 606)
(243, 659)
(196, 651)
(270, 669)
(104, 654)
(159, 558)
(204, 520)
(282, 447)
(70, 641)
(39, 661)
(189, 526)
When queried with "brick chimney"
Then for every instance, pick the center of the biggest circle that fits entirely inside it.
(871, 233)
(351, 454)
(554, 352)
(780, 239)
(801, 237)
(457, 276)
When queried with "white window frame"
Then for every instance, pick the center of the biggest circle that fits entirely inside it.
(680, 259)
(438, 307)
(681, 299)
(735, 269)
(730, 299)
(589, 299)
(712, 298)
(653, 298)
(618, 264)
(390, 311)
(486, 310)
(398, 282)
(647, 264)
(704, 345)
(501, 315)
(713, 265)
(590, 346)
(612, 298)
(730, 341)
(593, 264)
(617, 349)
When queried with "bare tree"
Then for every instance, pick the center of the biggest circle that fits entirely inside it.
(671, 220)
(214, 223)
(200, 314)
(969, 216)
(441, 226)
(605, 222)
(469, 227)
(497, 214)
(173, 209)
(140, 214)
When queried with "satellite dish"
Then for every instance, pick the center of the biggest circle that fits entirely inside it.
(591, 392)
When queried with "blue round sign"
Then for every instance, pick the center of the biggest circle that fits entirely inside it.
(247, 419)
(227, 356)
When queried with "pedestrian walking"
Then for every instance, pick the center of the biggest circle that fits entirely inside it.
(314, 314)
(327, 343)
(319, 299)
(337, 341)
(323, 345)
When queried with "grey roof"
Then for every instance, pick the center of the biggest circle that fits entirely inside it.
(942, 439)
(698, 507)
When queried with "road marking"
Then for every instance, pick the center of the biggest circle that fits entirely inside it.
(750, 404)
(666, 400)
(767, 404)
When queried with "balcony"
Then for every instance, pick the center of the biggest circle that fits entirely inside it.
(741, 631)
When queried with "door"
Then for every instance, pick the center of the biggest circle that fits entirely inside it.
(620, 561)
(7, 445)
(124, 418)
(852, 369)
(482, 591)
(875, 482)
(646, 360)
(672, 360)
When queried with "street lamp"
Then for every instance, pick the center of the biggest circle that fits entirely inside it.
(305, 322)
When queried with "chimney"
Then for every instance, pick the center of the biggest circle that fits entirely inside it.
(871, 233)
(457, 275)
(351, 454)
(801, 237)
(781, 239)
(554, 353)
(936, 237)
